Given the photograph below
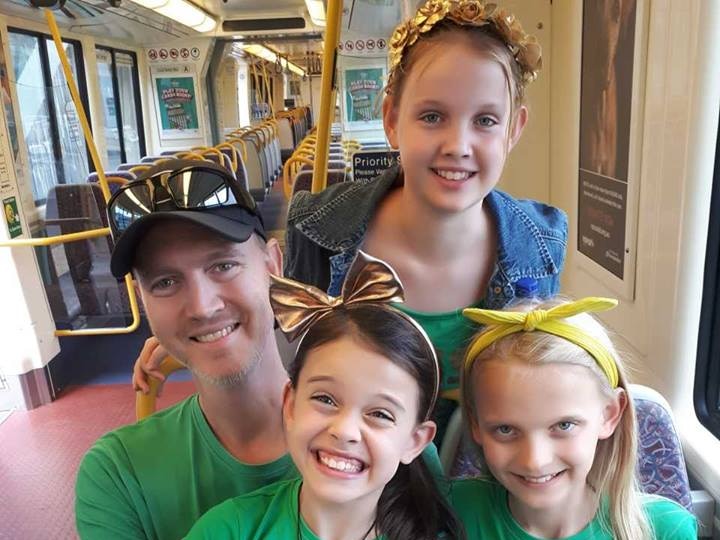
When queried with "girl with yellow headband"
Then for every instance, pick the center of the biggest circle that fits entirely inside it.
(546, 398)
(455, 108)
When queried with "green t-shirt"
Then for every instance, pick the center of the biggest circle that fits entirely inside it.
(481, 505)
(450, 333)
(270, 513)
(155, 478)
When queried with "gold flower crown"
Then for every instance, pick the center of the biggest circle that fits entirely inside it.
(524, 47)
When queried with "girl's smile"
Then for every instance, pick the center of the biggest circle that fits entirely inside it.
(539, 426)
(453, 137)
(350, 421)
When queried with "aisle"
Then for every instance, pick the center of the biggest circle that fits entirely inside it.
(40, 451)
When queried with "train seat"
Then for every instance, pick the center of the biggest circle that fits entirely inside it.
(117, 176)
(128, 166)
(84, 264)
(151, 159)
(303, 179)
(287, 135)
(240, 170)
(661, 465)
(223, 160)
(254, 168)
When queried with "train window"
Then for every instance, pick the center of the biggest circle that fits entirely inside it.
(53, 136)
(707, 373)
(120, 89)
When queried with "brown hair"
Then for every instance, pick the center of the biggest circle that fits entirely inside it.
(411, 505)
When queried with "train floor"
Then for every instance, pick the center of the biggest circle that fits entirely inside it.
(40, 450)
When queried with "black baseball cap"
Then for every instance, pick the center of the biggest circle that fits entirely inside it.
(195, 191)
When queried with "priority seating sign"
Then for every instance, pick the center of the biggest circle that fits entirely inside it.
(367, 164)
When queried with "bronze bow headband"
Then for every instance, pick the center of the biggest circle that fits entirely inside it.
(298, 306)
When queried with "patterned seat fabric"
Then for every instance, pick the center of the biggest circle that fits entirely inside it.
(661, 465)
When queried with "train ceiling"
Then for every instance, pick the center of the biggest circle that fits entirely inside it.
(127, 21)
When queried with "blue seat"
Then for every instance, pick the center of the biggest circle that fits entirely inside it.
(661, 465)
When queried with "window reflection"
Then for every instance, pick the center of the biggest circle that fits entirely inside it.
(72, 141)
(34, 113)
(53, 136)
(121, 106)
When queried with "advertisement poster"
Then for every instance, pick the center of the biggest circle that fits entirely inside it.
(363, 96)
(177, 103)
(7, 104)
(12, 217)
(605, 125)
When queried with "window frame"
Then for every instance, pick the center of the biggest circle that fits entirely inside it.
(138, 99)
(706, 391)
(81, 83)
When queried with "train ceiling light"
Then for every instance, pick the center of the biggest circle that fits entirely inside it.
(183, 12)
(316, 9)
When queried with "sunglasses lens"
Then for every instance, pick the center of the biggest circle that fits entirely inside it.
(200, 189)
(130, 205)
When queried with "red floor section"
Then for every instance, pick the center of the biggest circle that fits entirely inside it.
(41, 449)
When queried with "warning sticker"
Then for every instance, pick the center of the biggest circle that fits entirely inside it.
(12, 217)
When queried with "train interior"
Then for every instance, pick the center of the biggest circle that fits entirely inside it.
(287, 100)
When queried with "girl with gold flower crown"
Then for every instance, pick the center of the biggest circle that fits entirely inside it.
(455, 108)
(547, 401)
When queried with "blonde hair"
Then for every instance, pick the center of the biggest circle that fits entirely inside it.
(613, 470)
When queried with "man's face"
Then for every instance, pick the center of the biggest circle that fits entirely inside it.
(206, 298)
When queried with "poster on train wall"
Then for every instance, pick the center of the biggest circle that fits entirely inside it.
(7, 104)
(606, 116)
(363, 97)
(177, 106)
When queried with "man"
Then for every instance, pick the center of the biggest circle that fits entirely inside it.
(193, 238)
(196, 245)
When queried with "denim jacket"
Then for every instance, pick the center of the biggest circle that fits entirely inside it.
(326, 229)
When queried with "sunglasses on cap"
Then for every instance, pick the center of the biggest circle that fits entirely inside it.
(176, 185)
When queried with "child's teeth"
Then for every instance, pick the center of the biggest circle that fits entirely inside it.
(349, 465)
(453, 175)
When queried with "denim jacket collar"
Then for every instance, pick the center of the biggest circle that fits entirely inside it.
(357, 205)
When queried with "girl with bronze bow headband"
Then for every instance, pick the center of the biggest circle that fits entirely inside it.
(356, 410)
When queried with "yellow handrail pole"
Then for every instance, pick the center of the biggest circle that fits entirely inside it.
(327, 82)
(60, 239)
(78, 103)
(134, 310)
(233, 140)
(234, 153)
(145, 404)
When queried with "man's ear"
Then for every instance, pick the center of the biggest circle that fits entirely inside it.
(274, 257)
(521, 118)
(613, 412)
(288, 403)
(138, 290)
(390, 121)
(421, 436)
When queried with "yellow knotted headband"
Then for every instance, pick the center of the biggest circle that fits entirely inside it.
(504, 323)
